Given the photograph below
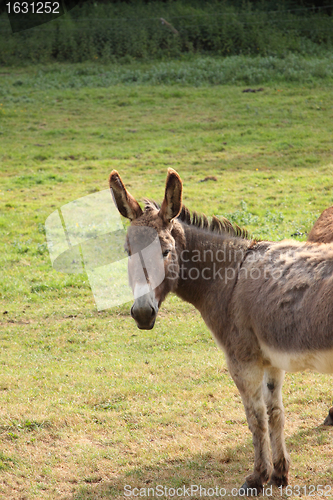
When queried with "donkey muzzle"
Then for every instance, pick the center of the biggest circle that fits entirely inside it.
(144, 311)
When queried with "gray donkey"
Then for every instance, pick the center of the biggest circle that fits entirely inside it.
(268, 305)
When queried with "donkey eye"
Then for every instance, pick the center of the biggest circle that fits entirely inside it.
(166, 252)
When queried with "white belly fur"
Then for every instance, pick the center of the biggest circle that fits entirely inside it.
(319, 361)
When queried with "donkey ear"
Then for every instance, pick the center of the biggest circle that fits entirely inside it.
(172, 203)
(126, 204)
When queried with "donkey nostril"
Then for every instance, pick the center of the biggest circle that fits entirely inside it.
(132, 313)
(152, 312)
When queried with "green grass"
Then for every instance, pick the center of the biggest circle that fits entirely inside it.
(194, 70)
(88, 402)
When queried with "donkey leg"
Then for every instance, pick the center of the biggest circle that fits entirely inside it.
(329, 418)
(248, 378)
(272, 388)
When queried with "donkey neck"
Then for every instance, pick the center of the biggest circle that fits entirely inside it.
(209, 266)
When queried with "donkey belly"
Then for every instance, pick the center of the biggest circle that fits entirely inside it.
(318, 360)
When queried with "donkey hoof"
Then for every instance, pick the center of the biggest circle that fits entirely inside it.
(329, 418)
(278, 480)
(247, 491)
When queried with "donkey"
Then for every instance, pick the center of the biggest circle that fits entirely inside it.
(322, 232)
(268, 305)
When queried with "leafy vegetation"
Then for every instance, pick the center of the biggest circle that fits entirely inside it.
(192, 70)
(90, 404)
(127, 31)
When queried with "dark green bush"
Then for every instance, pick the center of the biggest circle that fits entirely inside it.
(111, 32)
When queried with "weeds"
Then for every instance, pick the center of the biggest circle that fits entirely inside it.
(124, 32)
(6, 462)
(194, 70)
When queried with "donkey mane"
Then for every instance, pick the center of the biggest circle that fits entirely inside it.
(219, 226)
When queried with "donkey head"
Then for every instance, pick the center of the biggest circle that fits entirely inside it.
(153, 242)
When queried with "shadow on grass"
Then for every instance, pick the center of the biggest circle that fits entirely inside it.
(222, 470)
(225, 469)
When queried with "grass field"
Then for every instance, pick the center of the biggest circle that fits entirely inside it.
(88, 403)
